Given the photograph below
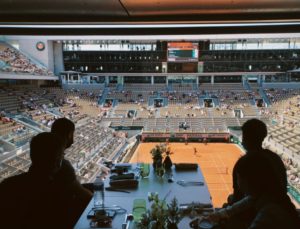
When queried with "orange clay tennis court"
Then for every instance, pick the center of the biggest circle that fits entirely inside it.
(216, 161)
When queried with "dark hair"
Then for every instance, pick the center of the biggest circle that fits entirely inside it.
(254, 131)
(45, 149)
(62, 127)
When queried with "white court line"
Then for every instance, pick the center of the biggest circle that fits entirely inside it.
(228, 189)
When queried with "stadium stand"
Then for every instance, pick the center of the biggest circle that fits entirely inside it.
(106, 111)
(15, 62)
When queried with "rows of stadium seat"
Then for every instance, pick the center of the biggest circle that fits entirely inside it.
(91, 139)
(293, 171)
(276, 95)
(204, 124)
(9, 101)
(175, 110)
(221, 86)
(292, 165)
(14, 132)
(17, 62)
(145, 87)
(165, 119)
(286, 136)
(182, 87)
(15, 165)
(182, 97)
(130, 97)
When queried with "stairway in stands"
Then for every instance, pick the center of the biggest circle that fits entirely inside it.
(247, 86)
(264, 96)
(119, 87)
(169, 87)
(104, 95)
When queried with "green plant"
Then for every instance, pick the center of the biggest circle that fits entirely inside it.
(173, 211)
(157, 156)
(157, 152)
(161, 215)
(145, 221)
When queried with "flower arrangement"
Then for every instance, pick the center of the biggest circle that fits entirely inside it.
(159, 152)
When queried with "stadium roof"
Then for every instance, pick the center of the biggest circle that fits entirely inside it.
(145, 12)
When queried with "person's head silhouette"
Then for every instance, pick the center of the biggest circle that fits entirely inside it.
(64, 128)
(254, 133)
(46, 153)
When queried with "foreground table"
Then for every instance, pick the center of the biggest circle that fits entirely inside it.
(184, 195)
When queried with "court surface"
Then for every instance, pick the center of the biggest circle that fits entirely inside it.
(216, 161)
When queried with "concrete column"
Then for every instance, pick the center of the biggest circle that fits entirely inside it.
(212, 79)
(167, 83)
(106, 80)
(197, 80)
(62, 78)
(121, 80)
(152, 80)
(244, 78)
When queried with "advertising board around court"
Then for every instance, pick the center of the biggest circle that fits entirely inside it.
(193, 137)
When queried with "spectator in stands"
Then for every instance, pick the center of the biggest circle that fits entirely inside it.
(37, 198)
(65, 128)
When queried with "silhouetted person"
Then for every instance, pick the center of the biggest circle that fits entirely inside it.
(254, 132)
(35, 198)
(64, 129)
(273, 208)
(259, 182)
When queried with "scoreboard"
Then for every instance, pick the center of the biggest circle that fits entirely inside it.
(183, 52)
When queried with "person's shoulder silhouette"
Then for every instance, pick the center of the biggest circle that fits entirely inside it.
(272, 205)
(26, 199)
(73, 191)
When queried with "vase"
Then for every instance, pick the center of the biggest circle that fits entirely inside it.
(167, 163)
(160, 171)
(157, 163)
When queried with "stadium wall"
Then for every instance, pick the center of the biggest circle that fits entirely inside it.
(45, 57)
(58, 58)
(182, 137)
(281, 85)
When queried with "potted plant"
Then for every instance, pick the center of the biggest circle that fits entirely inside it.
(160, 215)
(157, 156)
(173, 214)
